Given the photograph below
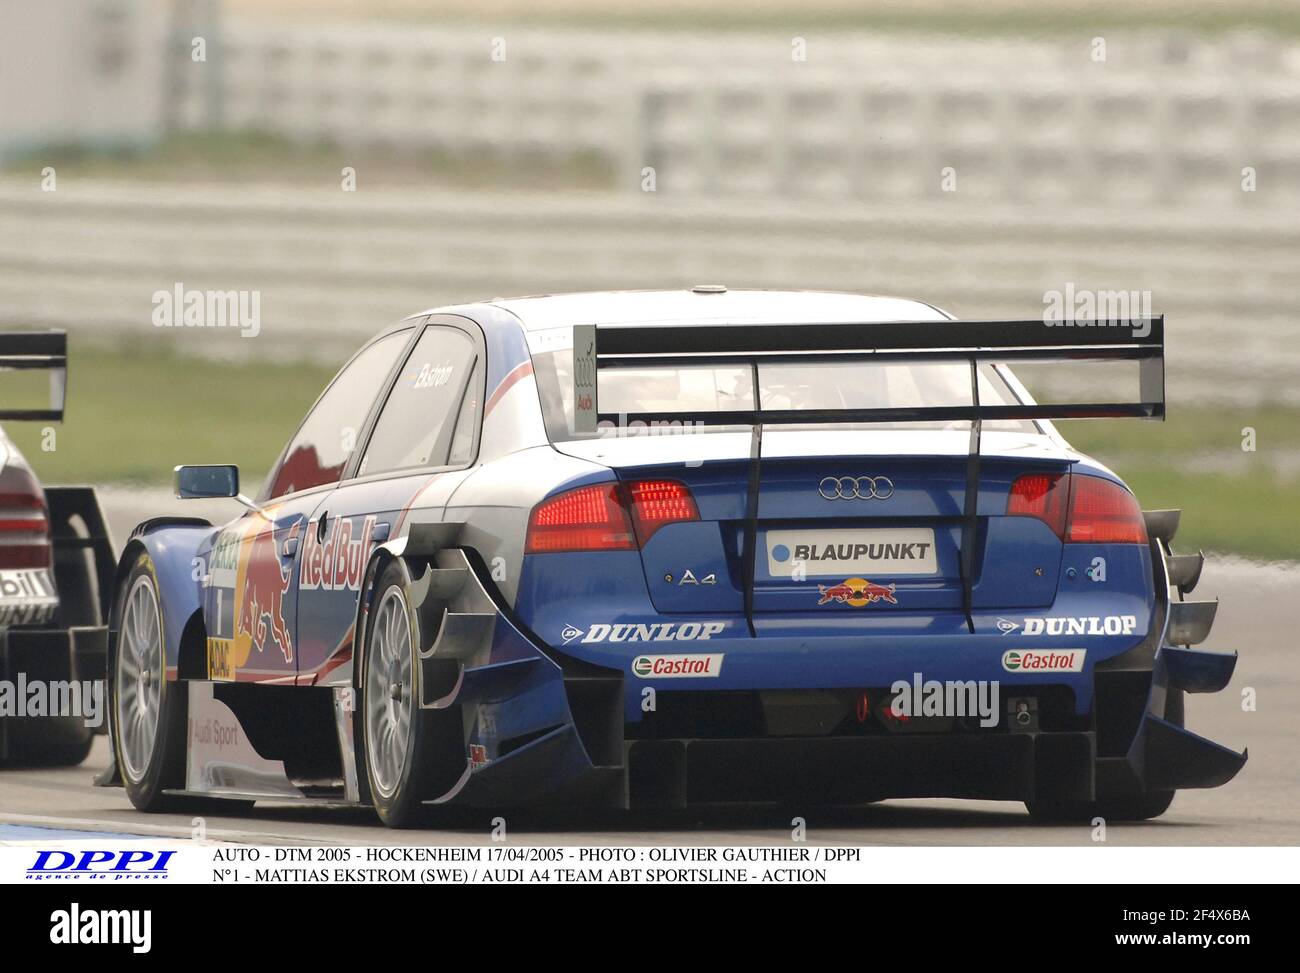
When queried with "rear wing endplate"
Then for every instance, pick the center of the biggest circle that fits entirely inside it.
(47, 350)
(602, 347)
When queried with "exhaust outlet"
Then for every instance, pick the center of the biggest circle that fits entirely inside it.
(1024, 714)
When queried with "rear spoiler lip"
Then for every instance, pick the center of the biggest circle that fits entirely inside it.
(633, 447)
(599, 347)
(876, 336)
(1074, 352)
(37, 350)
(1090, 410)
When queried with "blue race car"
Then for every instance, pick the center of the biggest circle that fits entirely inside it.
(671, 548)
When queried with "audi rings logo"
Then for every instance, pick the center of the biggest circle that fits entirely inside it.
(856, 488)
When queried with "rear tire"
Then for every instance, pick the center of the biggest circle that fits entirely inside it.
(409, 752)
(46, 742)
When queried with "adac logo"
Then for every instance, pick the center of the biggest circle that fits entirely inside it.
(857, 592)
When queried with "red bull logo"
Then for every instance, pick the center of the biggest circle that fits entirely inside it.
(856, 592)
(261, 612)
(340, 562)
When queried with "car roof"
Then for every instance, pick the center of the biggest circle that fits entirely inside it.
(716, 306)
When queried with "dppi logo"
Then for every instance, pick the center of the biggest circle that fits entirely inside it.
(262, 598)
(112, 866)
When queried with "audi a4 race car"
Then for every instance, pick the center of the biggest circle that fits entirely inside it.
(671, 548)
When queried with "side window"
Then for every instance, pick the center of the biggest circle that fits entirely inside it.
(320, 449)
(462, 440)
(423, 415)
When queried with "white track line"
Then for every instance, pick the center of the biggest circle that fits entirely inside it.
(157, 830)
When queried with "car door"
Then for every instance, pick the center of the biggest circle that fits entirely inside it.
(250, 596)
(422, 443)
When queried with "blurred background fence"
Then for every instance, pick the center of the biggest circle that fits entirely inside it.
(335, 267)
(1164, 119)
(975, 171)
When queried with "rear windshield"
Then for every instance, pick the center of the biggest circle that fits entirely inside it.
(822, 385)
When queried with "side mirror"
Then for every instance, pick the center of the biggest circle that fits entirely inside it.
(206, 482)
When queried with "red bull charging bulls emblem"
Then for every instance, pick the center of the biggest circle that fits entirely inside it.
(856, 592)
(261, 597)
(248, 580)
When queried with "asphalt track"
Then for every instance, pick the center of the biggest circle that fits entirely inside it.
(1259, 616)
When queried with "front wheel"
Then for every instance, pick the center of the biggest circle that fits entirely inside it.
(148, 713)
(409, 751)
(149, 725)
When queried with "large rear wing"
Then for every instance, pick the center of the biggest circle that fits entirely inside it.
(601, 347)
(47, 350)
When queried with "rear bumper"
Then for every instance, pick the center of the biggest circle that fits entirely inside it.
(1003, 767)
(994, 767)
(849, 770)
(562, 726)
(1131, 745)
(27, 596)
(54, 653)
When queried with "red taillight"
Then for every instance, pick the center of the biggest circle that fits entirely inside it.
(1079, 509)
(1102, 512)
(659, 502)
(24, 532)
(1041, 495)
(589, 518)
(596, 517)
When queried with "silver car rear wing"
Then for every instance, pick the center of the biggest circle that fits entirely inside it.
(37, 350)
(598, 348)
